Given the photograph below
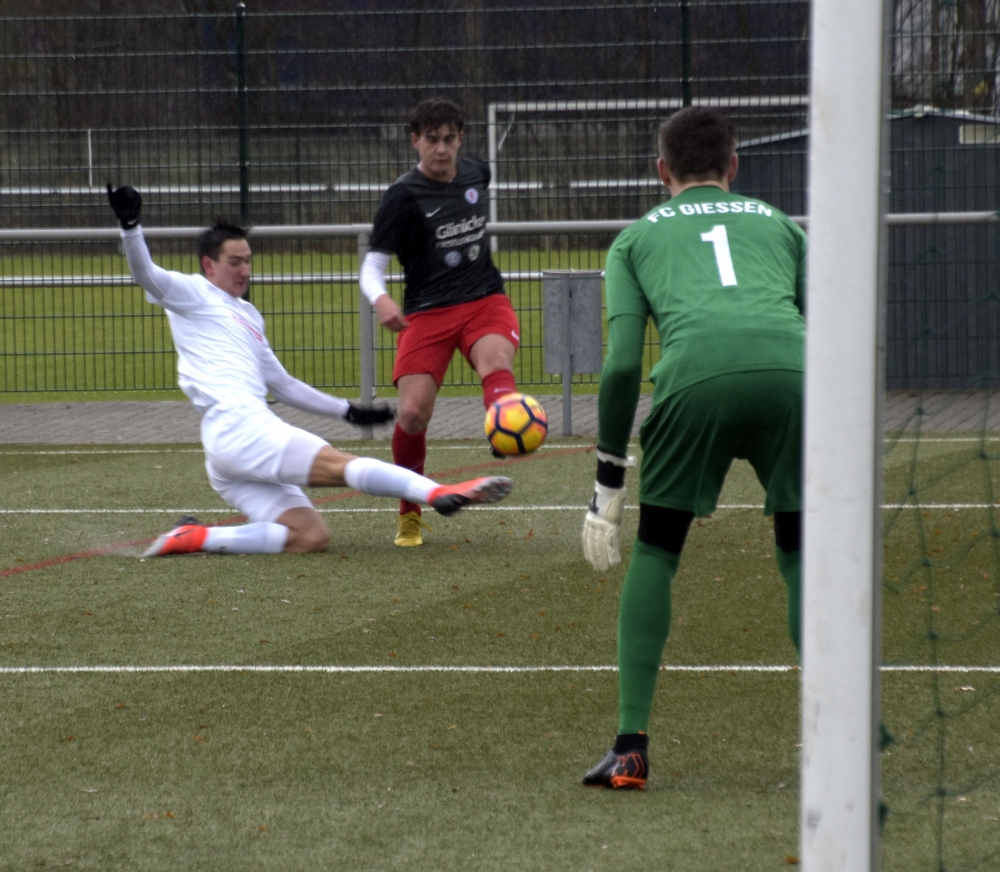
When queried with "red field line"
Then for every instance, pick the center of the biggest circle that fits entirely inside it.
(236, 519)
(79, 555)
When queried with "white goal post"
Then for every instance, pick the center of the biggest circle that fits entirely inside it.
(841, 648)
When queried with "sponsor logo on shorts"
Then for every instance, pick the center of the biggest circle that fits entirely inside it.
(514, 334)
(453, 258)
(473, 252)
(472, 196)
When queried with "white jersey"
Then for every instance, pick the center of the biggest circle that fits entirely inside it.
(223, 357)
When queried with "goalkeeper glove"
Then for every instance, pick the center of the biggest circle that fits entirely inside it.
(127, 204)
(365, 416)
(604, 517)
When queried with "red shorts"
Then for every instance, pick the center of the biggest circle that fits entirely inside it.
(430, 338)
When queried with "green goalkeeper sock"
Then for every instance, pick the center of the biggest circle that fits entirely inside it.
(790, 567)
(643, 627)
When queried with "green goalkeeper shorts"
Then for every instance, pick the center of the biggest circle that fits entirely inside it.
(690, 440)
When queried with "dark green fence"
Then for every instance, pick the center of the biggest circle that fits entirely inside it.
(305, 111)
(74, 321)
(286, 117)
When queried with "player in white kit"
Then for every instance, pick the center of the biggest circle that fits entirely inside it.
(255, 461)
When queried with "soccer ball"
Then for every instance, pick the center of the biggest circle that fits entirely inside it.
(516, 424)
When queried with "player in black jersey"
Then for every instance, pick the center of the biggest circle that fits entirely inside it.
(433, 218)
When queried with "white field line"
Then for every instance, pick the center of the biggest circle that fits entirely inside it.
(321, 509)
(476, 446)
(504, 508)
(105, 451)
(368, 446)
(474, 670)
(944, 439)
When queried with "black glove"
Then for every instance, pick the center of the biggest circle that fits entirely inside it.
(127, 204)
(365, 416)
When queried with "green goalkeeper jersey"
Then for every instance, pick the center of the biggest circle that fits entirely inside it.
(722, 276)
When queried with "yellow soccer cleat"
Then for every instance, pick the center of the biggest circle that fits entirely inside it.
(408, 531)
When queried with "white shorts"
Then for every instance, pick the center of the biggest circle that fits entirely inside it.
(257, 462)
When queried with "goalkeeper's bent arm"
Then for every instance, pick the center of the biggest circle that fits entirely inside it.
(621, 379)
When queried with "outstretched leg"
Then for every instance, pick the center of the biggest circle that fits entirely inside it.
(302, 529)
(493, 357)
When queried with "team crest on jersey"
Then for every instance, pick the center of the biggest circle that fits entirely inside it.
(472, 196)
(473, 252)
(453, 258)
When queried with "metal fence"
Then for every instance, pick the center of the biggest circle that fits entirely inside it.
(80, 324)
(300, 117)
(293, 116)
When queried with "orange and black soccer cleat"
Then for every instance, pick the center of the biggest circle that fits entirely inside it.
(185, 538)
(624, 771)
(449, 498)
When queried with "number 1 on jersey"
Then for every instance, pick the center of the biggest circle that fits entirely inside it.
(723, 259)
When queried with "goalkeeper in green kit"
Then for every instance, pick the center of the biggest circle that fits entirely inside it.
(723, 278)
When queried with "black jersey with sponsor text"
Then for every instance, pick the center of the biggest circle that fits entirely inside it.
(438, 232)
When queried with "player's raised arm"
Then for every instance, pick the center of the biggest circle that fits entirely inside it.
(161, 286)
(126, 204)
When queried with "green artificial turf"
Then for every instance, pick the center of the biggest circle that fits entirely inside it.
(393, 768)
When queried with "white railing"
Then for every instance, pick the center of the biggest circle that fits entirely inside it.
(361, 232)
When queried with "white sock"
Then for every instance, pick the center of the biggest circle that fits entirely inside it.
(382, 479)
(260, 538)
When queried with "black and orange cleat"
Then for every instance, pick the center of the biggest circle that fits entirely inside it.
(449, 498)
(621, 769)
(183, 539)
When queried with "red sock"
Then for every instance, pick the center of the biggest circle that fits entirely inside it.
(497, 384)
(409, 451)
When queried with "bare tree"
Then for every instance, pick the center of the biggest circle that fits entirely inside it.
(945, 54)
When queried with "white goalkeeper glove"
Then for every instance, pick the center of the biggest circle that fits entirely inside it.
(604, 517)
